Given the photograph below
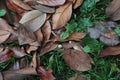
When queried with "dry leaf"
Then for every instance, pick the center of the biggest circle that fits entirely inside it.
(62, 16)
(39, 35)
(33, 23)
(45, 74)
(25, 36)
(18, 52)
(76, 36)
(46, 30)
(49, 46)
(1, 76)
(77, 78)
(5, 55)
(51, 2)
(113, 10)
(44, 8)
(110, 51)
(77, 60)
(19, 74)
(77, 3)
(4, 35)
(21, 4)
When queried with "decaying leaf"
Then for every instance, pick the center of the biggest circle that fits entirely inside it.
(77, 3)
(4, 35)
(110, 51)
(44, 8)
(77, 78)
(49, 46)
(21, 4)
(46, 30)
(19, 74)
(77, 60)
(51, 2)
(5, 55)
(62, 16)
(25, 36)
(45, 74)
(113, 10)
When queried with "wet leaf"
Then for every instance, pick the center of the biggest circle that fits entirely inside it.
(45, 74)
(110, 51)
(4, 35)
(51, 2)
(77, 60)
(77, 3)
(46, 30)
(62, 16)
(44, 8)
(21, 4)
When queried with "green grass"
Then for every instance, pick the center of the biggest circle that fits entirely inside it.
(104, 68)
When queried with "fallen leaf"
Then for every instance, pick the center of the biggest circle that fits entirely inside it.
(33, 20)
(25, 36)
(77, 78)
(1, 77)
(77, 60)
(18, 52)
(45, 74)
(21, 4)
(62, 16)
(110, 51)
(77, 3)
(113, 10)
(44, 8)
(5, 55)
(4, 35)
(19, 74)
(46, 30)
(39, 35)
(76, 36)
(49, 46)
(51, 2)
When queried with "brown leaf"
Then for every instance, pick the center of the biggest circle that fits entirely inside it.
(113, 10)
(45, 74)
(44, 8)
(34, 22)
(77, 78)
(77, 60)
(77, 3)
(62, 16)
(19, 74)
(4, 35)
(51, 2)
(5, 55)
(76, 36)
(39, 35)
(25, 36)
(46, 30)
(49, 46)
(1, 76)
(110, 51)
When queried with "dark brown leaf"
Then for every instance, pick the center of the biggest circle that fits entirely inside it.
(77, 60)
(110, 51)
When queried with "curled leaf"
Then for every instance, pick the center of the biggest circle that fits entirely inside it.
(62, 16)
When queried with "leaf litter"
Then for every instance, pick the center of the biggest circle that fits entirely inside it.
(38, 29)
